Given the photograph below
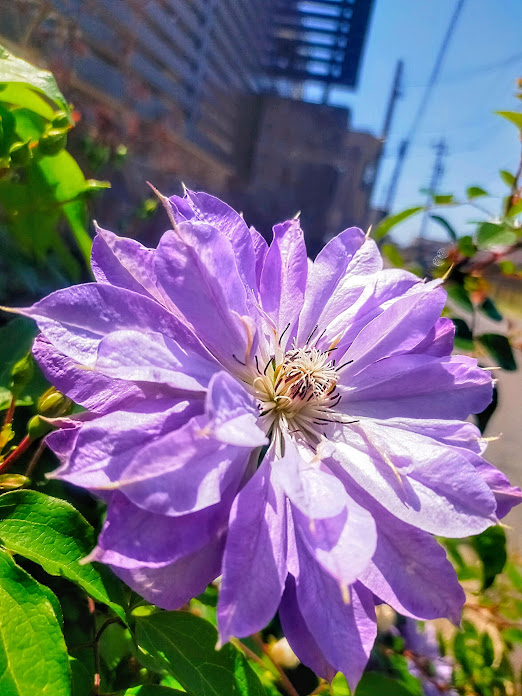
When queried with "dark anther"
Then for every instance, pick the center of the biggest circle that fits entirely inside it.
(286, 329)
(310, 336)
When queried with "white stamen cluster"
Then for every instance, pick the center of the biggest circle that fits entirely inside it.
(299, 392)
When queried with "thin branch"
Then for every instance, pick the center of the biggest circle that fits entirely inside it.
(35, 458)
(22, 447)
(514, 186)
(10, 411)
(285, 681)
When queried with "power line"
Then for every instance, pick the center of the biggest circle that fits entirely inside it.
(405, 144)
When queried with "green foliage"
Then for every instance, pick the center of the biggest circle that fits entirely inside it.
(41, 186)
(512, 116)
(490, 234)
(52, 533)
(388, 223)
(374, 683)
(499, 349)
(491, 550)
(489, 308)
(449, 229)
(33, 656)
(185, 645)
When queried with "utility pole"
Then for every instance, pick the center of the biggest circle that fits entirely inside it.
(396, 93)
(441, 150)
(423, 104)
(392, 103)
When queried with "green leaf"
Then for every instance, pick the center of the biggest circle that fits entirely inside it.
(475, 192)
(340, 685)
(150, 690)
(376, 684)
(512, 116)
(466, 246)
(490, 310)
(63, 174)
(393, 255)
(33, 656)
(81, 679)
(507, 267)
(499, 349)
(490, 546)
(51, 532)
(386, 225)
(443, 199)
(514, 210)
(490, 234)
(449, 229)
(463, 335)
(185, 646)
(10, 482)
(460, 297)
(507, 177)
(16, 70)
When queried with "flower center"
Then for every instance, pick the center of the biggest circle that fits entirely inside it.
(300, 390)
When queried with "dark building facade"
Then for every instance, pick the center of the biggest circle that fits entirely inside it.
(194, 88)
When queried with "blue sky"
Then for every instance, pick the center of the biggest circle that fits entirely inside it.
(478, 77)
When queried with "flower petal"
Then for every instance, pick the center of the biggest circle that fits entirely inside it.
(135, 538)
(283, 279)
(173, 585)
(254, 564)
(196, 268)
(152, 357)
(105, 446)
(410, 572)
(344, 631)
(439, 341)
(299, 636)
(417, 386)
(346, 256)
(506, 495)
(401, 327)
(205, 208)
(424, 484)
(123, 262)
(232, 413)
(183, 471)
(75, 319)
(91, 389)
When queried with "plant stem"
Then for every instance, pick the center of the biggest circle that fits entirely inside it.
(10, 412)
(35, 458)
(285, 681)
(22, 447)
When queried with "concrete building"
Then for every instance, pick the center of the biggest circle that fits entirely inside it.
(208, 92)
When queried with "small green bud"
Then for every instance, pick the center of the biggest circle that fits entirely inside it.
(94, 185)
(37, 428)
(21, 153)
(53, 141)
(61, 120)
(10, 482)
(53, 404)
(21, 373)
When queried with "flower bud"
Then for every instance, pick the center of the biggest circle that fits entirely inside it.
(53, 141)
(21, 373)
(61, 120)
(53, 404)
(37, 428)
(21, 153)
(10, 482)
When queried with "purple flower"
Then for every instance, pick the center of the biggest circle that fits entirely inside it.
(293, 426)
